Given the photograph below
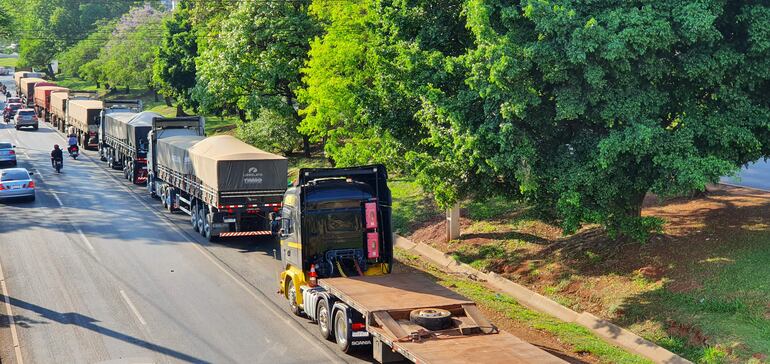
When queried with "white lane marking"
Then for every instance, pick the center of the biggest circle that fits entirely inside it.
(262, 300)
(132, 307)
(39, 175)
(85, 240)
(12, 322)
(57, 199)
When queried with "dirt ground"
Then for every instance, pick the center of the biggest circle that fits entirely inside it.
(625, 280)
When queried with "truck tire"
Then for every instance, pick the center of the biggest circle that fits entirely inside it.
(194, 217)
(323, 316)
(342, 331)
(201, 217)
(431, 318)
(291, 295)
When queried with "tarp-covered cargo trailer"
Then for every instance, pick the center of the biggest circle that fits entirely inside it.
(84, 115)
(114, 124)
(173, 153)
(28, 85)
(43, 100)
(225, 163)
(58, 107)
(138, 129)
(18, 76)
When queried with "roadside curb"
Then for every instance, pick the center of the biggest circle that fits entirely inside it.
(604, 329)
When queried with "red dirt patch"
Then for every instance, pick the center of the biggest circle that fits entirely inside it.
(694, 336)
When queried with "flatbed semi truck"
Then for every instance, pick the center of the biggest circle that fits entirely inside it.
(228, 187)
(124, 130)
(337, 255)
(83, 115)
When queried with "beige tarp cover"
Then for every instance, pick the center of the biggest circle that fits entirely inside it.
(228, 164)
(82, 113)
(17, 76)
(28, 84)
(40, 94)
(58, 99)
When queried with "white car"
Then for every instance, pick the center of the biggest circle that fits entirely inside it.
(25, 118)
(16, 183)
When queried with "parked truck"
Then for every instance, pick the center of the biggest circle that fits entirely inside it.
(228, 187)
(43, 100)
(28, 85)
(59, 101)
(17, 76)
(337, 254)
(83, 115)
(124, 130)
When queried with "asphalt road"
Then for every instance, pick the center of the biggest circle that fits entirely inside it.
(94, 271)
(755, 175)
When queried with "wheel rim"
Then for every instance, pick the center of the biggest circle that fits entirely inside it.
(194, 218)
(341, 330)
(323, 319)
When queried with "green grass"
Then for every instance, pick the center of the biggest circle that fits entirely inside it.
(411, 206)
(76, 84)
(578, 338)
(8, 61)
(218, 125)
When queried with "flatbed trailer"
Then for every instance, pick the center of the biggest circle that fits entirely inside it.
(383, 304)
(337, 254)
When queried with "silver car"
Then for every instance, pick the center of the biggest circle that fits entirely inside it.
(16, 183)
(7, 154)
(25, 117)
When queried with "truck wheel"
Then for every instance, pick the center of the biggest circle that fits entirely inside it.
(342, 330)
(209, 234)
(201, 219)
(324, 319)
(292, 296)
(431, 318)
(170, 195)
(194, 217)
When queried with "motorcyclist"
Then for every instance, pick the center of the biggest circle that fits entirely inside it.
(56, 155)
(72, 142)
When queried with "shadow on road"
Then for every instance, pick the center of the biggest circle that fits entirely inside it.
(73, 318)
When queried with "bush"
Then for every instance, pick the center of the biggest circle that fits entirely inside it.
(271, 132)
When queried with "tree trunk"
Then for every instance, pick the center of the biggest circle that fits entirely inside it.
(180, 110)
(242, 115)
(128, 89)
(49, 72)
(97, 85)
(155, 94)
(168, 101)
(306, 145)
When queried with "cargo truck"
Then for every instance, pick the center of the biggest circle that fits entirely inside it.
(124, 130)
(43, 100)
(59, 101)
(28, 85)
(17, 76)
(337, 254)
(228, 187)
(83, 115)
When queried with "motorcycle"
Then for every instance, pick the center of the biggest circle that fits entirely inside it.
(57, 165)
(74, 151)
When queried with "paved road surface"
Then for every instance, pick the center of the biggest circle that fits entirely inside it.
(95, 272)
(756, 175)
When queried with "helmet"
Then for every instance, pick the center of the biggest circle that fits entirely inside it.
(56, 146)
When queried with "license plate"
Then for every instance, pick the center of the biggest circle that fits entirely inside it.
(229, 220)
(360, 334)
(16, 187)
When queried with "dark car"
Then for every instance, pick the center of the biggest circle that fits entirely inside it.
(13, 100)
(10, 111)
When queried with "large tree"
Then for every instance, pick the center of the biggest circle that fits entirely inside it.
(589, 105)
(174, 70)
(257, 56)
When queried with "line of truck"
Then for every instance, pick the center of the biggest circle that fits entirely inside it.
(333, 224)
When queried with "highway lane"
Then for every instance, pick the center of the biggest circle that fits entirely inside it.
(94, 275)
